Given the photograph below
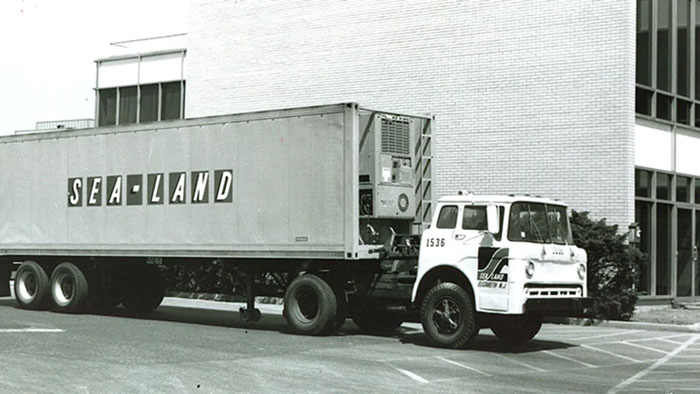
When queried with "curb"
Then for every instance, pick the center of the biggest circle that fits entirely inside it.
(623, 324)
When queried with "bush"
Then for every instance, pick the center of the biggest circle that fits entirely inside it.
(202, 278)
(612, 267)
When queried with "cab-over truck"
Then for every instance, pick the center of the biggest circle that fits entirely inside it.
(328, 203)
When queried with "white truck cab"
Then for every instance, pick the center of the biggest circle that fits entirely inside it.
(500, 262)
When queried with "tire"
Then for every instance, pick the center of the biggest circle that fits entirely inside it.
(69, 289)
(341, 308)
(310, 306)
(518, 332)
(32, 286)
(145, 291)
(373, 319)
(448, 316)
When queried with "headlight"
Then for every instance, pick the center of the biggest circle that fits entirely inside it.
(582, 271)
(530, 270)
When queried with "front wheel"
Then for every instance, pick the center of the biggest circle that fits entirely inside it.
(518, 332)
(448, 316)
(310, 305)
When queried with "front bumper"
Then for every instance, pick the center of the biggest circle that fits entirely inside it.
(558, 306)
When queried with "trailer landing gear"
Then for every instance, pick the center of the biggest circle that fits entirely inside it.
(250, 312)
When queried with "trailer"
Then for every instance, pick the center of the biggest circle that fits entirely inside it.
(307, 196)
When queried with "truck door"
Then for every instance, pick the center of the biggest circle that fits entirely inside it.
(441, 238)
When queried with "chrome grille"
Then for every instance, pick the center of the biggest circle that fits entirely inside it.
(552, 292)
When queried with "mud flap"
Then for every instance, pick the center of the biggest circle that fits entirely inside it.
(5, 272)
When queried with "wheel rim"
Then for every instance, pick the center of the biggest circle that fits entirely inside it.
(26, 286)
(63, 289)
(447, 315)
(306, 304)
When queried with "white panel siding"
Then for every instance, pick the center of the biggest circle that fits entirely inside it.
(688, 153)
(653, 148)
(161, 68)
(529, 95)
(113, 73)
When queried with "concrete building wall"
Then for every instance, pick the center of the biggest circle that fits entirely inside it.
(529, 96)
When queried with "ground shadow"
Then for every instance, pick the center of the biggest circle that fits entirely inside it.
(488, 343)
(275, 322)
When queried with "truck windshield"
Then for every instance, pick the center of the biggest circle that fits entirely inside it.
(559, 225)
(541, 223)
(528, 222)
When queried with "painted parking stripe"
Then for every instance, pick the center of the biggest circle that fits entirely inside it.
(520, 363)
(612, 354)
(639, 375)
(411, 375)
(31, 329)
(612, 334)
(585, 364)
(630, 343)
(462, 365)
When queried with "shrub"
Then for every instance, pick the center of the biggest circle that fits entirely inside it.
(612, 267)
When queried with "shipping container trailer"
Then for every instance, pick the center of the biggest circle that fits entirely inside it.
(306, 198)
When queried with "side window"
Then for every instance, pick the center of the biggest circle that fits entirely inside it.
(448, 217)
(474, 218)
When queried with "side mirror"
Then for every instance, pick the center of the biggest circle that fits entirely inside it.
(492, 219)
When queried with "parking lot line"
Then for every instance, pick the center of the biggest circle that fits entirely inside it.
(520, 363)
(612, 334)
(585, 364)
(462, 365)
(411, 375)
(639, 375)
(612, 354)
(630, 343)
(29, 330)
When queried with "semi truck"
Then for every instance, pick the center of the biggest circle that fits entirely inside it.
(332, 204)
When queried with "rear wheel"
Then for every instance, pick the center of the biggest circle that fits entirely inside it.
(310, 305)
(516, 332)
(145, 291)
(32, 286)
(69, 289)
(448, 316)
(374, 319)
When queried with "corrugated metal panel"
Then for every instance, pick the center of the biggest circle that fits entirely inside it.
(289, 188)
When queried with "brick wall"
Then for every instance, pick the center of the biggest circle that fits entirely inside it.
(530, 96)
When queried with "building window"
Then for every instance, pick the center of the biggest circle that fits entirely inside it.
(682, 189)
(642, 181)
(108, 107)
(644, 42)
(663, 186)
(667, 76)
(663, 50)
(152, 100)
(170, 107)
(127, 105)
(149, 103)
(667, 211)
(683, 48)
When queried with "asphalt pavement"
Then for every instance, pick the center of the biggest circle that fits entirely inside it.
(193, 346)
